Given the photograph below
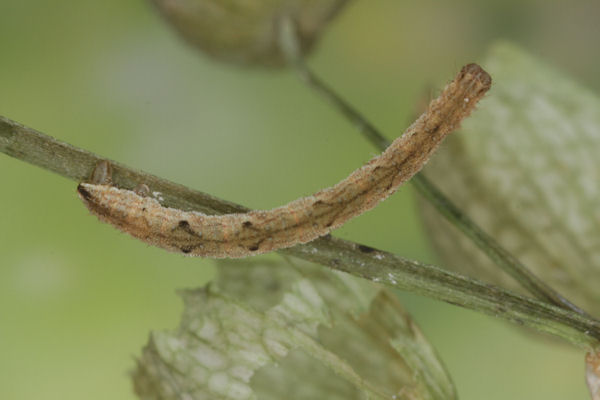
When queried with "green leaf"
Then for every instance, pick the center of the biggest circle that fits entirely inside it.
(273, 330)
(525, 167)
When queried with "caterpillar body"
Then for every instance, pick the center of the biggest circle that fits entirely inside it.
(304, 219)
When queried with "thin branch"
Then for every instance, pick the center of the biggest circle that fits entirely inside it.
(500, 256)
(36, 148)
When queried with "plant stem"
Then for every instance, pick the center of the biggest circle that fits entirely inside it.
(36, 148)
(500, 256)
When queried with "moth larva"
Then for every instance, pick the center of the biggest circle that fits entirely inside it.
(302, 220)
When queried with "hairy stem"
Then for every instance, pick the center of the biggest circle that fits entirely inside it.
(36, 148)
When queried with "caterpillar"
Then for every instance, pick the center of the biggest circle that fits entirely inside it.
(302, 220)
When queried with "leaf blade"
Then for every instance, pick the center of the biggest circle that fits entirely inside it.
(524, 169)
(323, 333)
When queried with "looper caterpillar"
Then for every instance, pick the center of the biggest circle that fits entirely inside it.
(304, 219)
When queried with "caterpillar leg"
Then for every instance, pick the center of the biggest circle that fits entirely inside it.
(102, 173)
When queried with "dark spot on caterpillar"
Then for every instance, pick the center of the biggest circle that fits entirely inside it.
(365, 249)
(335, 262)
(144, 209)
(433, 126)
(185, 226)
(247, 224)
(187, 249)
(84, 193)
(255, 246)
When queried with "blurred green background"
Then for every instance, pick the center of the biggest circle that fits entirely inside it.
(77, 299)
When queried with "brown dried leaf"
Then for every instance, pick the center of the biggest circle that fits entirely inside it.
(246, 31)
